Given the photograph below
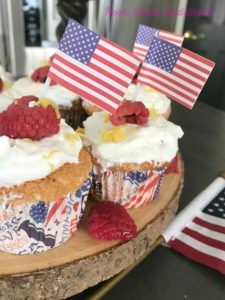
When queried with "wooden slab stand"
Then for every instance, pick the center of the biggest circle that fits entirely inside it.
(83, 262)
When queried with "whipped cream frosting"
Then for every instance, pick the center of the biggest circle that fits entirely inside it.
(57, 93)
(150, 97)
(7, 97)
(24, 160)
(156, 141)
(5, 76)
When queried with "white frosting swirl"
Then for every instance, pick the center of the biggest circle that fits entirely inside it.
(24, 160)
(150, 97)
(156, 141)
(7, 97)
(57, 93)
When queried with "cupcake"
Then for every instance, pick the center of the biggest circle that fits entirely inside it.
(7, 97)
(156, 102)
(44, 177)
(69, 103)
(130, 153)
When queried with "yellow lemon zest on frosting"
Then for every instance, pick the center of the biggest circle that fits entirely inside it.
(50, 154)
(6, 85)
(114, 135)
(71, 137)
(45, 102)
(44, 63)
(52, 167)
(148, 88)
(153, 112)
(106, 118)
(80, 131)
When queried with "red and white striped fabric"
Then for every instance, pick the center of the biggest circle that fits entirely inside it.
(144, 38)
(93, 67)
(175, 71)
(202, 237)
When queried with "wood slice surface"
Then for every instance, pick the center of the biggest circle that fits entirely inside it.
(82, 261)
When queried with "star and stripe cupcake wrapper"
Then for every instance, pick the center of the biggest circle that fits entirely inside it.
(37, 227)
(130, 189)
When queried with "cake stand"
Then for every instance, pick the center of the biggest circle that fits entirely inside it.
(83, 262)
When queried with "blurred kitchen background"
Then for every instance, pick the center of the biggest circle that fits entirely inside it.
(30, 30)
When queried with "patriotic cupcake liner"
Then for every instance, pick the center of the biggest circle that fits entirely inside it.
(37, 227)
(130, 189)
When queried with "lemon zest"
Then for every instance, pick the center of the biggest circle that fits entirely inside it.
(153, 112)
(50, 154)
(52, 167)
(44, 63)
(6, 85)
(114, 135)
(80, 131)
(106, 118)
(71, 137)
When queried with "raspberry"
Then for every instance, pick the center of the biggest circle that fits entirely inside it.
(110, 221)
(1, 85)
(22, 121)
(130, 112)
(39, 212)
(40, 75)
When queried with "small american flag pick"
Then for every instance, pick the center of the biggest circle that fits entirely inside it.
(144, 38)
(93, 67)
(175, 71)
(198, 231)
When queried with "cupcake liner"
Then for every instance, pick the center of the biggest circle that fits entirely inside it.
(74, 118)
(130, 189)
(38, 226)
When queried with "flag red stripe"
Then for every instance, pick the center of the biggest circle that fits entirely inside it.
(116, 56)
(188, 80)
(170, 39)
(170, 88)
(194, 75)
(167, 94)
(54, 208)
(140, 48)
(85, 83)
(193, 65)
(198, 58)
(152, 183)
(180, 36)
(91, 76)
(107, 74)
(175, 74)
(197, 255)
(168, 79)
(119, 47)
(208, 225)
(82, 93)
(109, 64)
(204, 239)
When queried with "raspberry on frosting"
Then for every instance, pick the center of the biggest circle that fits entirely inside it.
(130, 112)
(110, 221)
(1, 85)
(40, 75)
(28, 118)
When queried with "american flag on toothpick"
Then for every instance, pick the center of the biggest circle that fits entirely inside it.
(93, 67)
(198, 231)
(145, 35)
(175, 71)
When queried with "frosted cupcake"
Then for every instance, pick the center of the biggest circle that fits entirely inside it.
(44, 177)
(69, 103)
(130, 152)
(156, 102)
